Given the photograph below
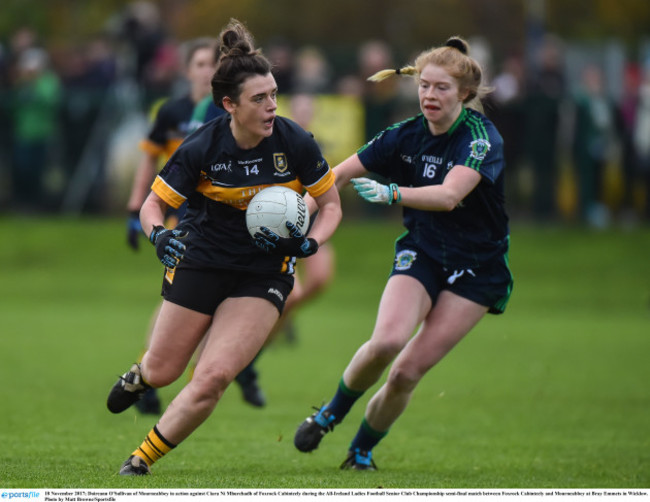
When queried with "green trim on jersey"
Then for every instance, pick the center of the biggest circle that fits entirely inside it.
(199, 113)
(457, 122)
(480, 142)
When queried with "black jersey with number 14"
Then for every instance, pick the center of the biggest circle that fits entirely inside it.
(218, 180)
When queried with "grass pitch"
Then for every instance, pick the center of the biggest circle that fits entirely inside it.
(553, 394)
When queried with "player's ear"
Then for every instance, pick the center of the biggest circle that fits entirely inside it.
(229, 105)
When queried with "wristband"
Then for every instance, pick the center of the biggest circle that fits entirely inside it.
(393, 193)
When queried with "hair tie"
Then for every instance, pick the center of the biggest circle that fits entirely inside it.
(458, 44)
(398, 71)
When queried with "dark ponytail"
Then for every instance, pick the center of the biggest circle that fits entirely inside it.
(237, 60)
(459, 44)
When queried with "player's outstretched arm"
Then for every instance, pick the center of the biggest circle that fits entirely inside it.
(458, 183)
(348, 169)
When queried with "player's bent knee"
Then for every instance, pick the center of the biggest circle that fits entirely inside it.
(402, 380)
(159, 372)
(211, 385)
(385, 350)
(158, 379)
(159, 376)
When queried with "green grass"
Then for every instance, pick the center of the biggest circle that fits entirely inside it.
(553, 394)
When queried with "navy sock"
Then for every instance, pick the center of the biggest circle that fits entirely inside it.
(367, 437)
(343, 400)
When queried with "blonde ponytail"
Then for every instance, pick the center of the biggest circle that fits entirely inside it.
(384, 74)
(453, 56)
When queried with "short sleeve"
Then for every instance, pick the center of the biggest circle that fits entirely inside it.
(314, 171)
(484, 153)
(180, 176)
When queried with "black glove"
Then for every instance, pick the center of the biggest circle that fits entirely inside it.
(133, 230)
(169, 248)
(296, 245)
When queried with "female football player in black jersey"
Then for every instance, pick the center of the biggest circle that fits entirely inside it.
(173, 122)
(445, 168)
(220, 282)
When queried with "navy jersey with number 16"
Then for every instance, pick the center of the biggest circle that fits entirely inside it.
(408, 154)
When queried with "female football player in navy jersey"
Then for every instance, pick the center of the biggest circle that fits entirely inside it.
(220, 282)
(445, 168)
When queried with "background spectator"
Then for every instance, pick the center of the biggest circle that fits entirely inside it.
(545, 91)
(35, 100)
(593, 144)
(642, 136)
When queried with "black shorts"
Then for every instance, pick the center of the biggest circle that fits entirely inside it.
(204, 289)
(488, 284)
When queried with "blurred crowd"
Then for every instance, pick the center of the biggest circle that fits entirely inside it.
(575, 149)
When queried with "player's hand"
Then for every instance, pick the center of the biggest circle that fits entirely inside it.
(169, 248)
(133, 230)
(373, 191)
(295, 245)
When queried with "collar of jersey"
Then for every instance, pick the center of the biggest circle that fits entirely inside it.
(231, 146)
(461, 117)
(454, 126)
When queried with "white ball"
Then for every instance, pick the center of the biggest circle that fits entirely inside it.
(273, 207)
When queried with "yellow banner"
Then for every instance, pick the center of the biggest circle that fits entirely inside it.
(337, 122)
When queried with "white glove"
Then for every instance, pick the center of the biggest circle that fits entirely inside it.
(373, 191)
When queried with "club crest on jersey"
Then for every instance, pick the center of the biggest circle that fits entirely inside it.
(280, 162)
(405, 259)
(479, 148)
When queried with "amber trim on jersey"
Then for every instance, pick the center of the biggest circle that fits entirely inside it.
(237, 197)
(148, 146)
(322, 185)
(167, 193)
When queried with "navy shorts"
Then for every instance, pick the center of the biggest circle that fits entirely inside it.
(203, 290)
(488, 284)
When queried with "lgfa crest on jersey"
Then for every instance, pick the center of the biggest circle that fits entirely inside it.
(405, 259)
(479, 148)
(280, 162)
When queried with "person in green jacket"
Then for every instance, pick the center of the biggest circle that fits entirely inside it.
(35, 100)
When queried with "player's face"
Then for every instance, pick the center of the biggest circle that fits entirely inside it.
(253, 115)
(440, 100)
(200, 71)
